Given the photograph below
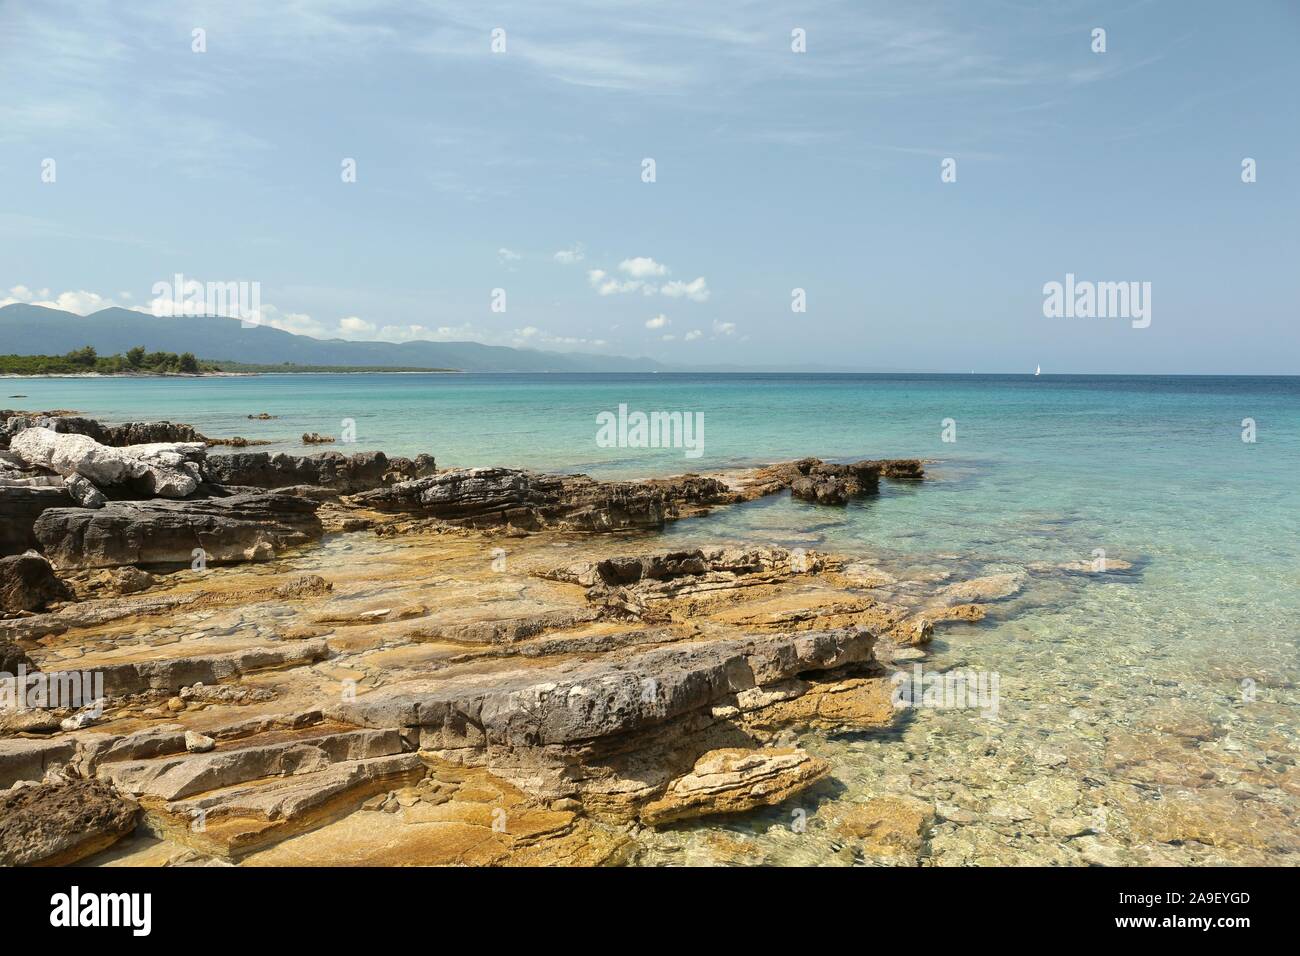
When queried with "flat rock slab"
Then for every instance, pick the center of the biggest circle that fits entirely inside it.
(251, 526)
(185, 775)
(24, 759)
(620, 692)
(346, 474)
(174, 673)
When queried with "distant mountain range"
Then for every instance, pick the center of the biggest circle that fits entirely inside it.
(36, 330)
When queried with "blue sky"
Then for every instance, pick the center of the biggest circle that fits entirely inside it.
(775, 170)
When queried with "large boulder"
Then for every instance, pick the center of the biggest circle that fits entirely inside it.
(27, 583)
(167, 469)
(251, 526)
(345, 474)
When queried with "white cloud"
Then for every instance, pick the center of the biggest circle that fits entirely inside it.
(668, 338)
(81, 303)
(605, 284)
(506, 256)
(693, 334)
(640, 270)
(697, 290)
(359, 327)
(567, 257)
(643, 267)
(724, 328)
(658, 322)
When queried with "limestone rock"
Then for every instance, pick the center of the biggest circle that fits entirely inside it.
(159, 468)
(197, 743)
(20, 507)
(22, 759)
(55, 825)
(483, 497)
(608, 696)
(733, 780)
(346, 474)
(890, 825)
(28, 583)
(84, 493)
(253, 526)
(171, 674)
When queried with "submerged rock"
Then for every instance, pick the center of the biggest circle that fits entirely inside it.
(889, 825)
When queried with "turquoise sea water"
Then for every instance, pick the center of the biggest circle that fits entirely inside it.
(1151, 469)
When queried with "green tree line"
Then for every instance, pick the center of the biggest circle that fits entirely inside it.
(136, 361)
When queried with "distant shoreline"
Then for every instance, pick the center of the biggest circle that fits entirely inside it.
(237, 374)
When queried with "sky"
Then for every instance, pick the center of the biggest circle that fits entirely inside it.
(523, 169)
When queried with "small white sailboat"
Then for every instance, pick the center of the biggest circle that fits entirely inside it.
(1038, 370)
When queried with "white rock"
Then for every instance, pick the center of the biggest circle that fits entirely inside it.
(80, 720)
(163, 466)
(197, 743)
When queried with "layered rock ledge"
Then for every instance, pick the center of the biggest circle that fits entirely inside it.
(284, 659)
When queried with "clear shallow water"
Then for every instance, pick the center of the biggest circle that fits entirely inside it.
(1152, 470)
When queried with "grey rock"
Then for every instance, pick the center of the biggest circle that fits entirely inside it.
(592, 699)
(483, 497)
(184, 775)
(345, 474)
(253, 526)
(22, 759)
(84, 493)
(28, 583)
(19, 509)
(174, 673)
(197, 743)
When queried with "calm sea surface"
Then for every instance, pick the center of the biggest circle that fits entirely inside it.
(1153, 470)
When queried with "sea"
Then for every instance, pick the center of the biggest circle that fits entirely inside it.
(1114, 687)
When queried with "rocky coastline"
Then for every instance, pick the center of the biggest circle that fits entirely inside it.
(335, 658)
